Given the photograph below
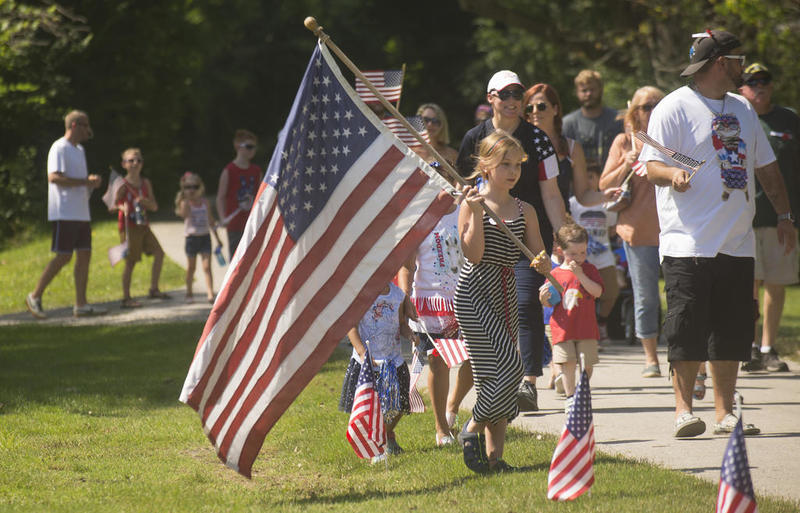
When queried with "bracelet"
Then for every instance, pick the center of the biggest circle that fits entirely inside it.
(788, 216)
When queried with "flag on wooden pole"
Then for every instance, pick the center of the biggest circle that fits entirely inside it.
(342, 205)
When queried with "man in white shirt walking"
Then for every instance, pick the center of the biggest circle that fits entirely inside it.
(69, 188)
(706, 242)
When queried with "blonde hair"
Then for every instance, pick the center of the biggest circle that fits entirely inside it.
(492, 149)
(444, 133)
(242, 135)
(571, 232)
(185, 178)
(588, 76)
(640, 97)
(74, 117)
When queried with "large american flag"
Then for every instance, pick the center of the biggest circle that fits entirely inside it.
(366, 431)
(572, 468)
(388, 82)
(342, 205)
(735, 487)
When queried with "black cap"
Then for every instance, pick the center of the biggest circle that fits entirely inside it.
(710, 44)
(755, 69)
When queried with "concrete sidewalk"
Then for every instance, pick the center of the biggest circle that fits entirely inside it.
(633, 417)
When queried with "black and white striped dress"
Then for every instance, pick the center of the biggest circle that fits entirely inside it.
(486, 309)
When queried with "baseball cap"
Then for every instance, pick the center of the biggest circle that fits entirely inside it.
(754, 69)
(707, 45)
(503, 79)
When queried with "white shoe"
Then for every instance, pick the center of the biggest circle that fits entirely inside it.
(445, 440)
(559, 384)
(379, 458)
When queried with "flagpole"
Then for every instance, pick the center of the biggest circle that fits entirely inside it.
(312, 25)
(402, 78)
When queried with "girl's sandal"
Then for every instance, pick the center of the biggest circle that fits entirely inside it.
(474, 450)
(129, 303)
(700, 386)
(157, 294)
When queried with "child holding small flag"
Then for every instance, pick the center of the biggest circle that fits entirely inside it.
(380, 329)
(573, 325)
(486, 297)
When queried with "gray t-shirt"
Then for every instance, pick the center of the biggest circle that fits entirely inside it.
(594, 134)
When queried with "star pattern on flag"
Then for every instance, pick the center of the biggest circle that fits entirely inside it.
(329, 133)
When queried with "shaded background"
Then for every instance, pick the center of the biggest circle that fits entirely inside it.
(177, 78)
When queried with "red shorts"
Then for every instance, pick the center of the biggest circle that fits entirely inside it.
(69, 236)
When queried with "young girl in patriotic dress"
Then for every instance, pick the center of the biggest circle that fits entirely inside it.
(380, 329)
(486, 298)
(430, 276)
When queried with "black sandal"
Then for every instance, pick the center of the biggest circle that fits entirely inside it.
(474, 445)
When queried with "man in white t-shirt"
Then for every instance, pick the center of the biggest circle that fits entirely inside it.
(69, 188)
(706, 242)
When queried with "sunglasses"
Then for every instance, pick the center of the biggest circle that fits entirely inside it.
(505, 94)
(758, 82)
(133, 161)
(190, 187)
(540, 107)
(247, 146)
(647, 107)
(434, 121)
(739, 58)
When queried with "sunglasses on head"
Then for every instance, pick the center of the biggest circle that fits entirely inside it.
(435, 121)
(505, 94)
(191, 187)
(247, 146)
(540, 107)
(133, 161)
(647, 107)
(757, 82)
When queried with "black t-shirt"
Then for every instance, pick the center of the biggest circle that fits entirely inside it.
(782, 127)
(538, 148)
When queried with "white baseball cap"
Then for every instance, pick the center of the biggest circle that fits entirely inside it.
(503, 79)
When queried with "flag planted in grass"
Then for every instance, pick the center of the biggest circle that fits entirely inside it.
(365, 430)
(342, 205)
(735, 486)
(572, 469)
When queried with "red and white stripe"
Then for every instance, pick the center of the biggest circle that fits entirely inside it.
(366, 431)
(377, 79)
(452, 350)
(572, 468)
(639, 168)
(402, 133)
(731, 500)
(414, 398)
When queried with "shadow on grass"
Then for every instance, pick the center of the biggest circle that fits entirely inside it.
(62, 365)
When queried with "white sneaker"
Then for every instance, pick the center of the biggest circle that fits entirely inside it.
(35, 306)
(88, 310)
(559, 384)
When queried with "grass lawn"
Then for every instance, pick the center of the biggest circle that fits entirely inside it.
(22, 263)
(91, 422)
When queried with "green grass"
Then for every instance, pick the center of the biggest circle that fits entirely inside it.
(91, 422)
(22, 262)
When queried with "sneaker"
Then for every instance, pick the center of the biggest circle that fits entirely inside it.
(558, 384)
(772, 363)
(651, 371)
(88, 310)
(527, 397)
(687, 425)
(728, 424)
(445, 440)
(392, 447)
(568, 402)
(756, 362)
(379, 458)
(35, 306)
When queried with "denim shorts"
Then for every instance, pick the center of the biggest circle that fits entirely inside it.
(644, 268)
(198, 244)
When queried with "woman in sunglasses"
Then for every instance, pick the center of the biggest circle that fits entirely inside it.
(637, 224)
(537, 185)
(543, 110)
(438, 130)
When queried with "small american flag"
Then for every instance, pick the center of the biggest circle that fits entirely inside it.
(452, 350)
(735, 487)
(639, 169)
(572, 468)
(403, 134)
(342, 206)
(414, 399)
(389, 83)
(365, 430)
